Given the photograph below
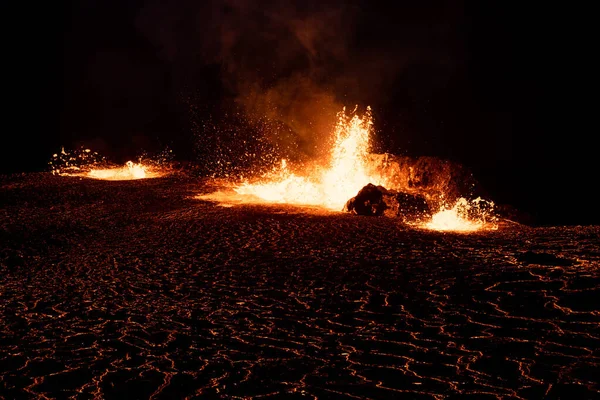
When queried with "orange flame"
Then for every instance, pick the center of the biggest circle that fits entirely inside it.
(330, 187)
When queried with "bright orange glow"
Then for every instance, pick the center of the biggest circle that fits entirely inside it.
(331, 186)
(463, 216)
(130, 171)
(348, 168)
(88, 164)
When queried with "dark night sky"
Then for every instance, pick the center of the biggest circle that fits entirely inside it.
(494, 86)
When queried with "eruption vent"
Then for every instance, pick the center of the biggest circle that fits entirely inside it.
(88, 164)
(463, 216)
(330, 186)
(348, 168)
(130, 171)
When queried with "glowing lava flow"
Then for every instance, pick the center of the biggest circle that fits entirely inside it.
(332, 186)
(464, 216)
(131, 170)
(88, 164)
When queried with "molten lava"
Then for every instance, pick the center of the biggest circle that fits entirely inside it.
(85, 163)
(345, 171)
(344, 174)
(131, 170)
(463, 216)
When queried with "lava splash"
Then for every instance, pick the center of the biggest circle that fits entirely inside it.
(348, 168)
(88, 164)
(130, 171)
(329, 186)
(463, 216)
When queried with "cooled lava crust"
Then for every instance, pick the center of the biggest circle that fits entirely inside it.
(136, 289)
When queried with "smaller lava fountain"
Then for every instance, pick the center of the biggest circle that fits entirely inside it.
(88, 164)
(131, 170)
(463, 216)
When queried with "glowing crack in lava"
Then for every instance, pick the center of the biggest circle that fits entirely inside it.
(463, 216)
(331, 186)
(88, 164)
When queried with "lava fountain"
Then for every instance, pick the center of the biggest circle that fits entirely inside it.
(130, 171)
(463, 216)
(88, 164)
(344, 174)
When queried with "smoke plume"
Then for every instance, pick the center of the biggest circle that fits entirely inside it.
(278, 61)
(296, 64)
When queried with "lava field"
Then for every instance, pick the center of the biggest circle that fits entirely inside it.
(139, 290)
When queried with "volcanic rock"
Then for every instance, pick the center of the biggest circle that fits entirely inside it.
(374, 200)
(532, 257)
(368, 201)
(440, 181)
(408, 206)
(165, 289)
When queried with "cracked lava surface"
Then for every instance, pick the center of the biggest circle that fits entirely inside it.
(139, 290)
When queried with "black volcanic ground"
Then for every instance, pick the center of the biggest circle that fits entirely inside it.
(138, 290)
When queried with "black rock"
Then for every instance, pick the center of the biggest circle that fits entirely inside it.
(440, 181)
(531, 257)
(408, 206)
(368, 201)
(374, 200)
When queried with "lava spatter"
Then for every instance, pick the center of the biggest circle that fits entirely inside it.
(348, 168)
(329, 185)
(88, 164)
(463, 216)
